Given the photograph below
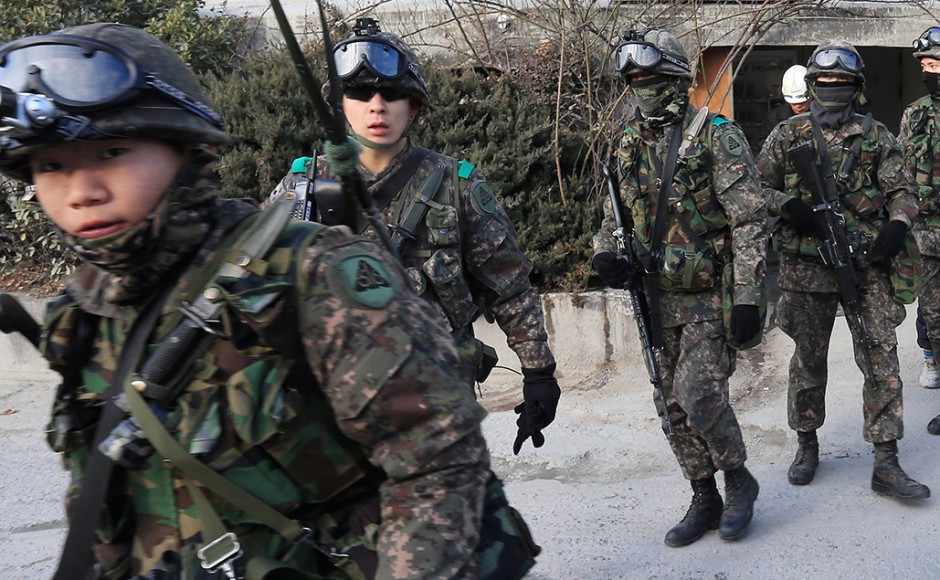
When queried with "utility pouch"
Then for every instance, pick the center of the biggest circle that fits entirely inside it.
(506, 550)
(727, 303)
(907, 271)
(445, 273)
(686, 269)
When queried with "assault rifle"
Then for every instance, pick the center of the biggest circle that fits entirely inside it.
(837, 251)
(637, 299)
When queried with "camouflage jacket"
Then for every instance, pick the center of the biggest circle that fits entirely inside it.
(330, 396)
(465, 260)
(920, 142)
(879, 188)
(717, 195)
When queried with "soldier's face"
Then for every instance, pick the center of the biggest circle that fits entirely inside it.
(380, 120)
(798, 108)
(930, 65)
(98, 188)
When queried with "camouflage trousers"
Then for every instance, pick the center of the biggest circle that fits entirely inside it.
(808, 318)
(929, 301)
(695, 364)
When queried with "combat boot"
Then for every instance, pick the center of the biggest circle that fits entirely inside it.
(740, 493)
(703, 515)
(803, 468)
(930, 376)
(888, 477)
(934, 426)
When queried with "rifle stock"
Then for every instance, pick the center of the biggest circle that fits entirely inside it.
(835, 250)
(637, 300)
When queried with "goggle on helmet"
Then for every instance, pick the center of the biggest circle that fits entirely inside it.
(371, 51)
(645, 56)
(928, 44)
(51, 82)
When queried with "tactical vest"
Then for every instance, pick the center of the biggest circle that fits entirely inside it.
(250, 410)
(923, 158)
(865, 205)
(694, 207)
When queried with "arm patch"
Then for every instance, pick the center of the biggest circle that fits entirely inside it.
(367, 281)
(482, 199)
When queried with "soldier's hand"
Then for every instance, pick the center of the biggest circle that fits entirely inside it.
(745, 322)
(801, 217)
(540, 393)
(613, 270)
(890, 239)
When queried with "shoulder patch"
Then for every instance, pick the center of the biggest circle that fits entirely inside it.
(482, 198)
(367, 280)
(732, 144)
(464, 169)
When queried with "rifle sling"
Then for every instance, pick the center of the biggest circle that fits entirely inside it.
(383, 195)
(77, 556)
(653, 259)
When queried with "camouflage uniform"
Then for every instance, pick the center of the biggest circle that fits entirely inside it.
(877, 198)
(324, 388)
(714, 202)
(879, 188)
(461, 252)
(335, 436)
(465, 260)
(920, 142)
(718, 191)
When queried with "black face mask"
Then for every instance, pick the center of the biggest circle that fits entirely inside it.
(932, 82)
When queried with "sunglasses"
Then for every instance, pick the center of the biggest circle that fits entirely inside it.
(365, 93)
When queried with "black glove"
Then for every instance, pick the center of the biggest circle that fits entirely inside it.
(540, 394)
(615, 271)
(890, 239)
(745, 322)
(801, 217)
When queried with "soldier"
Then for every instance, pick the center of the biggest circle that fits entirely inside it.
(453, 236)
(293, 406)
(714, 196)
(920, 141)
(879, 206)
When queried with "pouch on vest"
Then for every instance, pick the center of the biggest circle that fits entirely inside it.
(727, 303)
(506, 550)
(686, 269)
(445, 273)
(907, 271)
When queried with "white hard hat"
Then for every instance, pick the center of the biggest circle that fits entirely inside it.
(794, 84)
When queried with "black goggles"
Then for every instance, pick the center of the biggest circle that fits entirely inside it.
(833, 57)
(84, 75)
(645, 56)
(930, 37)
(366, 92)
(374, 54)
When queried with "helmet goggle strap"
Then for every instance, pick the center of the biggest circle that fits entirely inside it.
(83, 75)
(833, 57)
(930, 37)
(370, 53)
(645, 56)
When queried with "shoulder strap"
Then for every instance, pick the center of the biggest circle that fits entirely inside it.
(384, 194)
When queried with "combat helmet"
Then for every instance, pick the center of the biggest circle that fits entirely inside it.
(928, 44)
(372, 57)
(653, 51)
(835, 57)
(98, 81)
